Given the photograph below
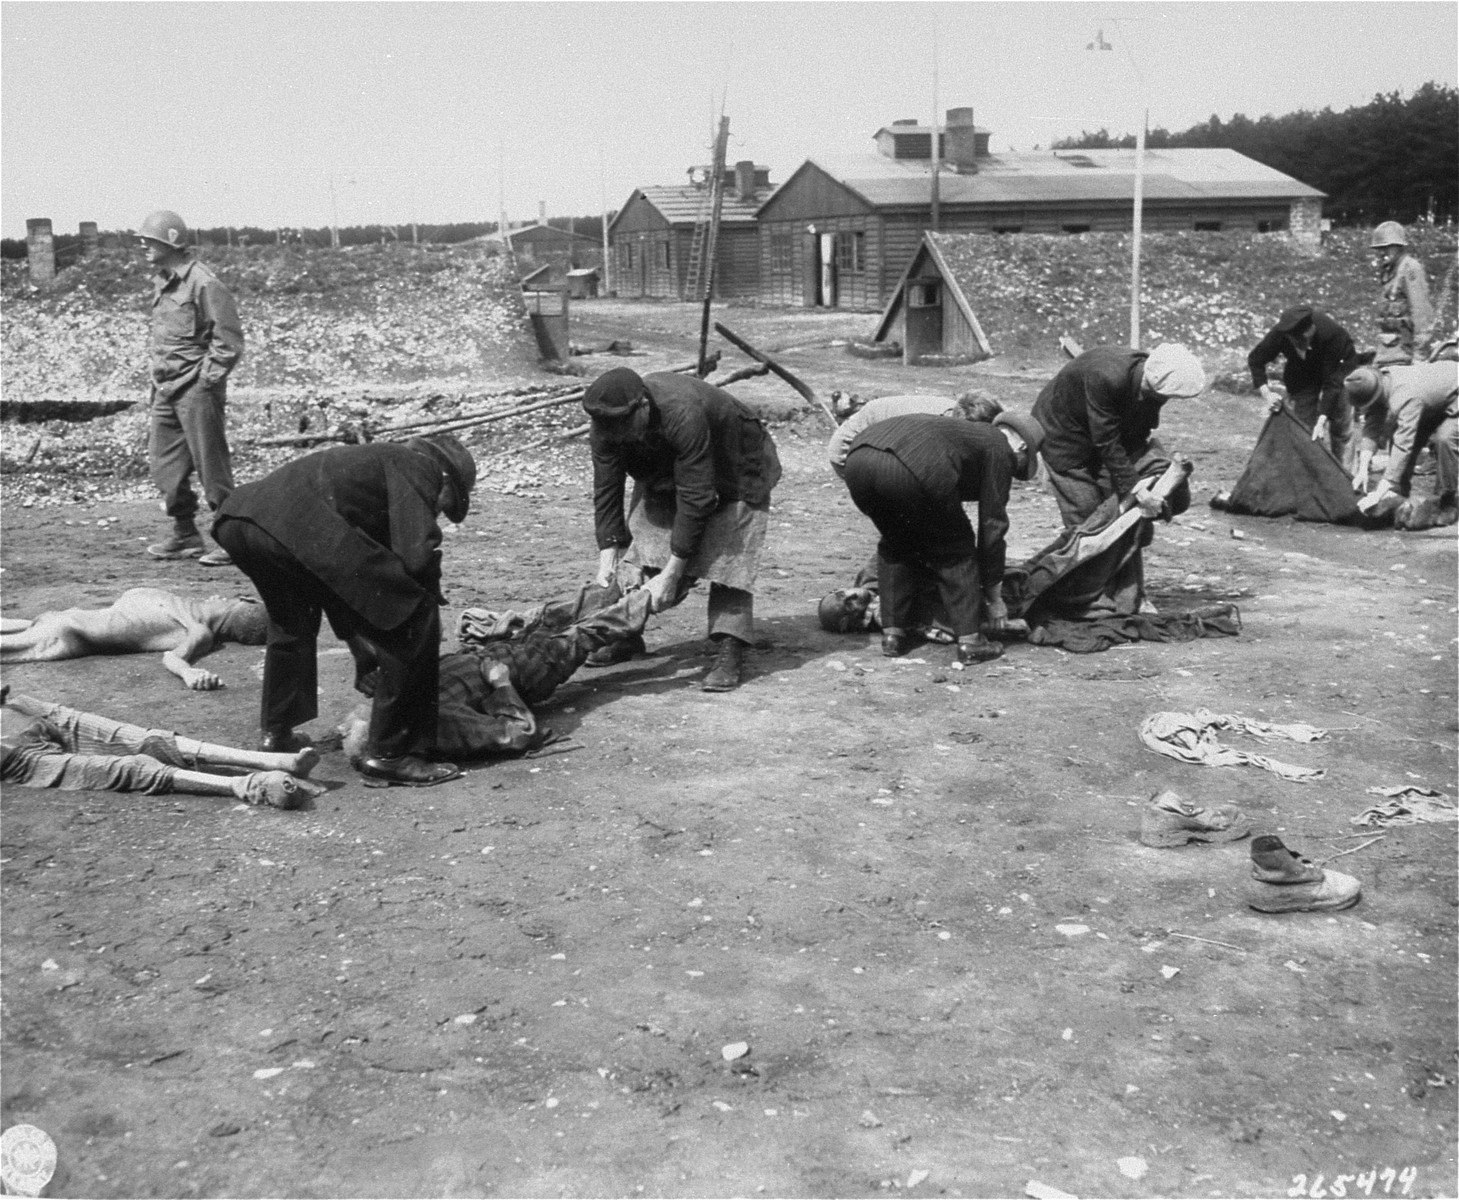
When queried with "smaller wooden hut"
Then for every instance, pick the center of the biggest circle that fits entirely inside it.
(929, 313)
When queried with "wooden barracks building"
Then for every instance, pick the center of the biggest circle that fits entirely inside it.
(652, 238)
(840, 232)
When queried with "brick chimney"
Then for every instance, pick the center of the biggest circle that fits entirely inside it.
(961, 141)
(745, 179)
(40, 249)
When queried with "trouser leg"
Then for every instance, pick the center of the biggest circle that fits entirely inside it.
(1340, 432)
(407, 690)
(731, 613)
(201, 412)
(292, 597)
(958, 584)
(1078, 493)
(172, 464)
(1446, 458)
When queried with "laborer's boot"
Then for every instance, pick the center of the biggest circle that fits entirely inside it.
(216, 557)
(1283, 881)
(1170, 821)
(894, 643)
(406, 770)
(724, 676)
(185, 542)
(281, 739)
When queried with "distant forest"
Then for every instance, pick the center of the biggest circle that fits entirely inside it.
(68, 245)
(1393, 159)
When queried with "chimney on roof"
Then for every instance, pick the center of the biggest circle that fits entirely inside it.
(963, 141)
(745, 178)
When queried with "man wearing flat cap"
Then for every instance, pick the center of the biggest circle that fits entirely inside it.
(1317, 353)
(703, 466)
(351, 533)
(1410, 406)
(1099, 415)
(911, 475)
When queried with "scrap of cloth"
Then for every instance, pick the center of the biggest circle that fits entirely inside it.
(1100, 633)
(1407, 806)
(1190, 737)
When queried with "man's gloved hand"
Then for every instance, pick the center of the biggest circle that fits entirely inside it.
(1371, 501)
(1319, 429)
(1274, 401)
(1152, 508)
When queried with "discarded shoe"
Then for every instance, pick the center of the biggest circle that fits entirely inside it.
(619, 652)
(407, 770)
(216, 557)
(893, 645)
(1272, 862)
(280, 739)
(1333, 891)
(1170, 821)
(1283, 881)
(981, 650)
(179, 545)
(724, 676)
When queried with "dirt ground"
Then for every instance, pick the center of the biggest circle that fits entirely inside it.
(916, 892)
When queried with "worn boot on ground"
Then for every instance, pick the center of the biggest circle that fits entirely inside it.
(724, 676)
(1170, 821)
(617, 652)
(180, 545)
(1283, 881)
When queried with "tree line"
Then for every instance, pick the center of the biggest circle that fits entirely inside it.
(68, 247)
(1392, 159)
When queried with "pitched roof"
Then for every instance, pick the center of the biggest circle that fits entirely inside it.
(1051, 176)
(680, 204)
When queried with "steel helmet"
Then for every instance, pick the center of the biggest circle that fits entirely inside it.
(165, 227)
(1390, 233)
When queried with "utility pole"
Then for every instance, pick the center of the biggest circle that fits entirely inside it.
(721, 147)
(334, 211)
(603, 198)
(936, 149)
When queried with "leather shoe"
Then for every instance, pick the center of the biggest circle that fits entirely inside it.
(280, 739)
(407, 770)
(725, 675)
(893, 645)
(979, 651)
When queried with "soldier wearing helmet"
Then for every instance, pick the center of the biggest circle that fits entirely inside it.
(1405, 314)
(196, 341)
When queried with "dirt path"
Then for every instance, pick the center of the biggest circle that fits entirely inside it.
(916, 892)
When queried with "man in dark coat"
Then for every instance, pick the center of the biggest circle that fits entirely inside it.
(351, 533)
(910, 475)
(1099, 415)
(1317, 354)
(703, 466)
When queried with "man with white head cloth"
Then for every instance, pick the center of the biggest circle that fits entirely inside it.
(1099, 415)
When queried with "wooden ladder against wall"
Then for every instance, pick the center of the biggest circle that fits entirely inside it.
(699, 278)
(694, 277)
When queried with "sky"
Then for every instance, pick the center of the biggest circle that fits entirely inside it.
(306, 114)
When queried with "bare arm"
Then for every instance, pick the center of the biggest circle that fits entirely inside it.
(197, 641)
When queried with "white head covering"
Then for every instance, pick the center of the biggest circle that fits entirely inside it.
(1174, 372)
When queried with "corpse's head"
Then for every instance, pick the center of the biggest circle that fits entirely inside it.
(847, 610)
(244, 620)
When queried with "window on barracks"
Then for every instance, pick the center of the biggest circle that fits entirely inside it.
(664, 255)
(632, 255)
(782, 252)
(851, 251)
(1075, 228)
(1007, 228)
(1208, 226)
